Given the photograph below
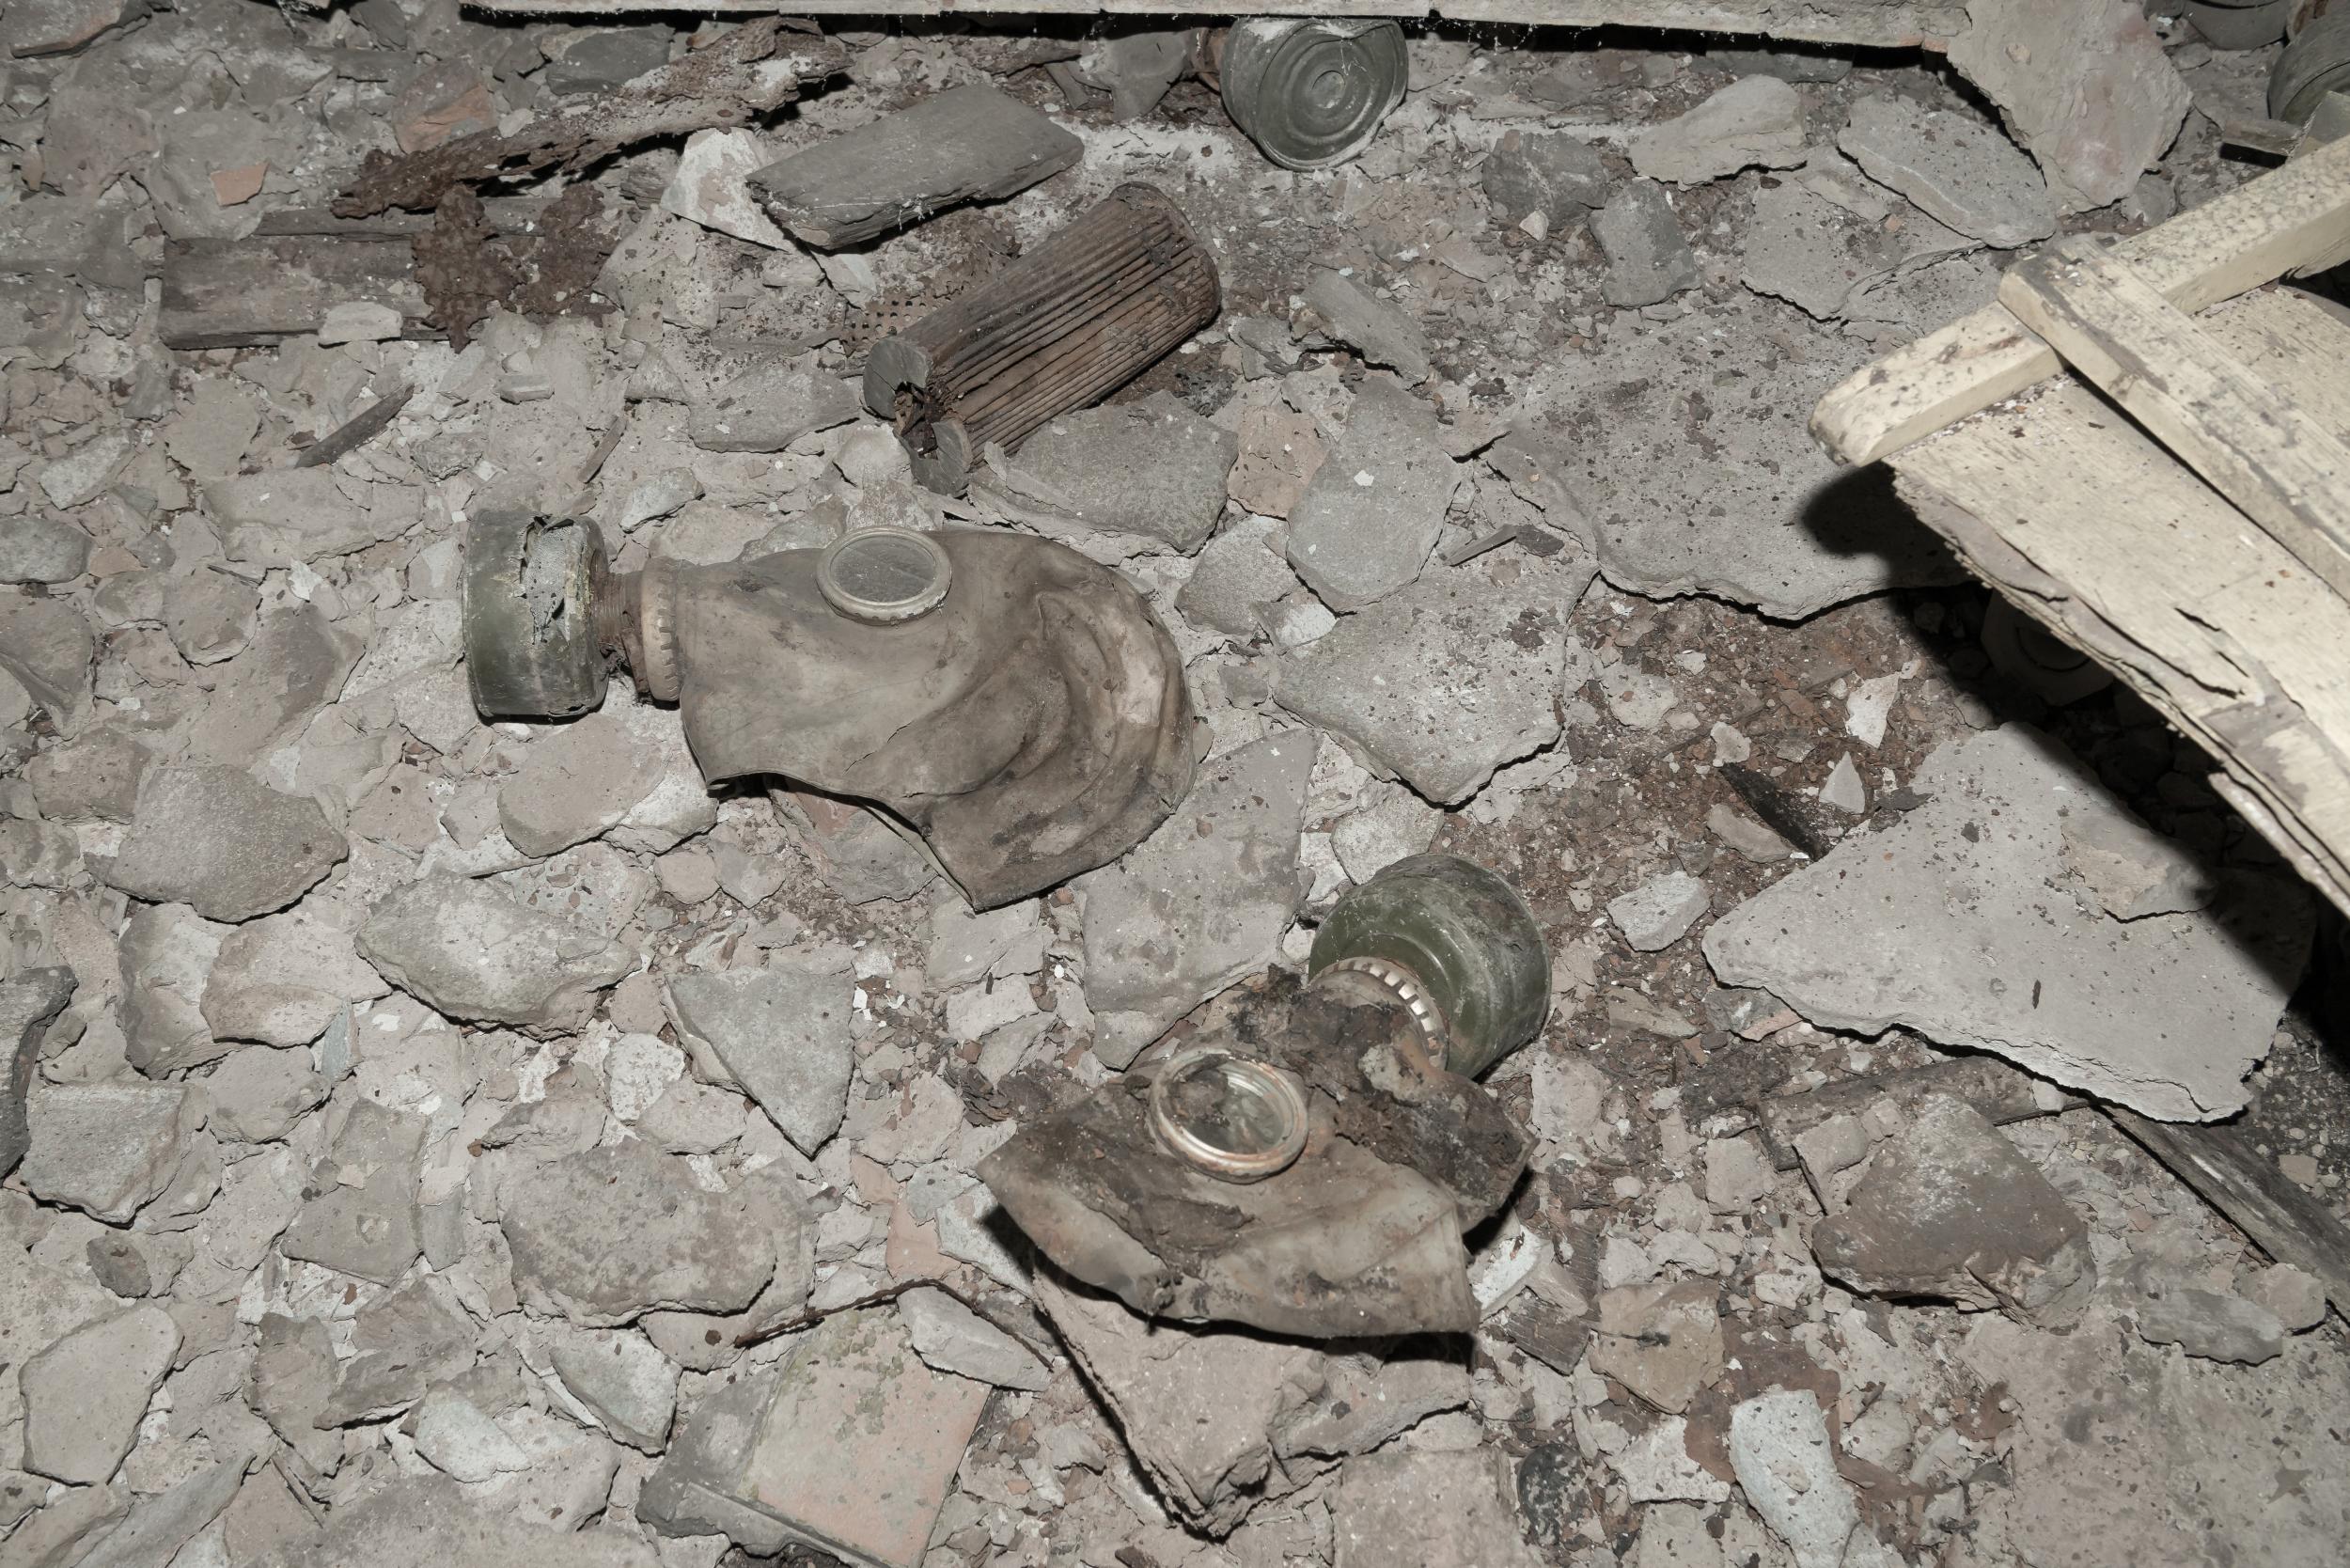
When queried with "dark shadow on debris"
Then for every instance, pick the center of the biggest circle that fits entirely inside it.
(1857, 513)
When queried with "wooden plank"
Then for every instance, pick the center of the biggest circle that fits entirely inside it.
(2252, 235)
(1882, 23)
(2244, 436)
(226, 293)
(2091, 528)
(2230, 1175)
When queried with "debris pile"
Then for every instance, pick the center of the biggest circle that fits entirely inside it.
(558, 1048)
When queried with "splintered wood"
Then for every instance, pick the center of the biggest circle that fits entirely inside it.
(2193, 538)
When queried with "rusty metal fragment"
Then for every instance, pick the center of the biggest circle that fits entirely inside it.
(752, 71)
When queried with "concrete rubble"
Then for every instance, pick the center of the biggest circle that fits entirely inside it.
(430, 1139)
(2165, 1015)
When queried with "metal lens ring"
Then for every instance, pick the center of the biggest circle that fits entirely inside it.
(1233, 1117)
(884, 575)
(1435, 1031)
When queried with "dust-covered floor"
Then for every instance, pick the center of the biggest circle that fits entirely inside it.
(362, 1157)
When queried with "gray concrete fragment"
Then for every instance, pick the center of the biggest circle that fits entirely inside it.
(1379, 331)
(576, 783)
(600, 58)
(283, 978)
(456, 1438)
(1660, 912)
(406, 1342)
(431, 1523)
(1559, 176)
(953, 1338)
(1414, 1509)
(859, 856)
(851, 1447)
(2213, 1325)
(1376, 506)
(765, 409)
(95, 775)
(782, 1036)
(209, 615)
(1955, 168)
(1786, 1464)
(1947, 922)
(43, 549)
(296, 663)
(621, 1376)
(1949, 1208)
(156, 1528)
(1150, 468)
(223, 842)
(258, 1093)
(362, 1220)
(1446, 681)
(1201, 902)
(1750, 838)
(2132, 871)
(1649, 259)
(1240, 576)
(473, 954)
(2086, 88)
(47, 646)
(1393, 824)
(2296, 1299)
(106, 1148)
(86, 1394)
(1843, 791)
(1754, 120)
(168, 953)
(28, 1002)
(693, 1251)
(1741, 504)
(306, 514)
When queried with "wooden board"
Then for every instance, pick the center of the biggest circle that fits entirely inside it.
(1883, 24)
(2244, 434)
(2089, 524)
(2252, 235)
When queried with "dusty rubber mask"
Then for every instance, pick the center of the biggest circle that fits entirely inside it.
(1012, 702)
(1306, 1155)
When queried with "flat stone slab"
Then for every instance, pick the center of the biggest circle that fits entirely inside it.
(783, 1036)
(686, 1249)
(222, 842)
(1412, 1510)
(1957, 170)
(2086, 87)
(1374, 329)
(86, 1394)
(851, 1447)
(1953, 922)
(1150, 468)
(1698, 485)
(1756, 119)
(1449, 679)
(1649, 259)
(1201, 902)
(1374, 508)
(1949, 1208)
(472, 953)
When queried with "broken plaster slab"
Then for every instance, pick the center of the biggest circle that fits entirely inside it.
(1695, 468)
(1951, 922)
